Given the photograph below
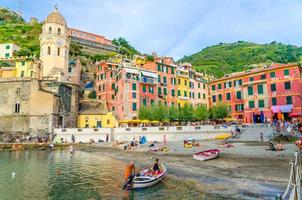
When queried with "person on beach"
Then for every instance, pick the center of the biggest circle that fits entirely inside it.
(72, 138)
(271, 146)
(279, 146)
(261, 137)
(129, 174)
(71, 149)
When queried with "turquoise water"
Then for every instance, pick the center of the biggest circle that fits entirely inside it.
(59, 175)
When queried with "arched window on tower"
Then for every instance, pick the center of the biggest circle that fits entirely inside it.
(59, 51)
(59, 31)
(49, 29)
(48, 50)
(17, 107)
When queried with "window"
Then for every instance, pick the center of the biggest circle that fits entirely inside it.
(133, 95)
(158, 78)
(23, 63)
(287, 85)
(7, 47)
(198, 85)
(167, 69)
(239, 107)
(112, 86)
(158, 68)
(220, 97)
(273, 87)
(260, 89)
(186, 83)
(18, 92)
(289, 100)
(263, 76)
(204, 86)
(230, 83)
(144, 88)
(213, 87)
(134, 106)
(178, 81)
(17, 108)
(7, 55)
(151, 90)
(214, 98)
(22, 74)
(145, 102)
(219, 86)
(185, 93)
(251, 79)
(49, 29)
(112, 97)
(159, 90)
(286, 72)
(133, 86)
(250, 90)
(59, 31)
(199, 96)
(178, 93)
(165, 79)
(238, 94)
(152, 102)
(172, 70)
(228, 96)
(261, 103)
(31, 73)
(48, 50)
(165, 91)
(204, 96)
(58, 52)
(273, 74)
(274, 101)
(240, 82)
(251, 104)
(172, 92)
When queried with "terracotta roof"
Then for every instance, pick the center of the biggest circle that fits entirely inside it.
(93, 107)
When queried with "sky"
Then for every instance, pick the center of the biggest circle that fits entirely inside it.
(176, 27)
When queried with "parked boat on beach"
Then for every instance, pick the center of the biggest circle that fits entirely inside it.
(146, 179)
(206, 155)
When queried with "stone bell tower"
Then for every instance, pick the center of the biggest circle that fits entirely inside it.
(54, 44)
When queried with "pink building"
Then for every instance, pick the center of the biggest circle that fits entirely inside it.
(148, 88)
(271, 89)
(165, 69)
(105, 82)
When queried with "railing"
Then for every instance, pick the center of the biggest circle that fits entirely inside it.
(293, 189)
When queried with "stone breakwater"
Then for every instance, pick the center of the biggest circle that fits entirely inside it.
(23, 146)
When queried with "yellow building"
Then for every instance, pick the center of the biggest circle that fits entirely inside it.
(7, 72)
(94, 114)
(182, 83)
(25, 68)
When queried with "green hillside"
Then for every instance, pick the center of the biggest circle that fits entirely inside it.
(231, 57)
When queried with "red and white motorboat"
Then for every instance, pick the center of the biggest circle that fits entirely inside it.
(206, 155)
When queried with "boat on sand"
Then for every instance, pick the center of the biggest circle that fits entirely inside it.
(206, 155)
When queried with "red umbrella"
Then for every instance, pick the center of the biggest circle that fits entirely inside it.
(295, 115)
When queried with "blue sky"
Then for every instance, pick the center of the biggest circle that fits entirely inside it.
(177, 27)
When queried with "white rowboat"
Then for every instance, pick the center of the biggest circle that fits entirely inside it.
(206, 155)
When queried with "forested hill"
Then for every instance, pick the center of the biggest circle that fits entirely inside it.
(231, 57)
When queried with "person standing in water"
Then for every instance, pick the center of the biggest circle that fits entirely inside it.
(129, 174)
(71, 149)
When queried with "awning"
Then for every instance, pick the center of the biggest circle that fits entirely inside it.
(149, 74)
(283, 108)
(131, 71)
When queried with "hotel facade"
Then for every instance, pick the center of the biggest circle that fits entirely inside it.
(268, 90)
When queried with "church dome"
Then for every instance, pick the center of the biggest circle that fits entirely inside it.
(55, 17)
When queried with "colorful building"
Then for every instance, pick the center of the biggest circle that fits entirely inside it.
(7, 50)
(25, 68)
(94, 114)
(90, 42)
(271, 89)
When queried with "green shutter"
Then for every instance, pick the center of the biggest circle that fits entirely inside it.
(228, 95)
(213, 87)
(113, 86)
(289, 100)
(133, 86)
(287, 85)
(144, 88)
(261, 103)
(159, 90)
(274, 101)
(273, 87)
(220, 97)
(250, 90)
(178, 93)
(165, 91)
(134, 106)
(165, 79)
(273, 74)
(173, 92)
(158, 68)
(238, 94)
(286, 72)
(158, 79)
(251, 104)
(260, 89)
(219, 86)
(172, 70)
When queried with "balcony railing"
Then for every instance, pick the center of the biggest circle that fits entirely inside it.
(148, 80)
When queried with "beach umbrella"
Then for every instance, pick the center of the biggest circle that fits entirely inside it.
(135, 121)
(295, 115)
(145, 121)
(262, 116)
(155, 122)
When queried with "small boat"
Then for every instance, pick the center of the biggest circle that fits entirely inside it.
(146, 179)
(206, 155)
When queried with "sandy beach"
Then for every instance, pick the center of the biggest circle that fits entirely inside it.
(245, 171)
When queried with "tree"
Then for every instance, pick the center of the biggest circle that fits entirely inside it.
(201, 113)
(160, 112)
(173, 114)
(92, 95)
(219, 111)
(144, 112)
(125, 48)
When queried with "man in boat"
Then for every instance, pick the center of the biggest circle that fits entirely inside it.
(156, 167)
(129, 174)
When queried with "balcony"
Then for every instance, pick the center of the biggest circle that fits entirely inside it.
(182, 73)
(147, 80)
